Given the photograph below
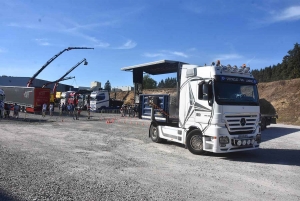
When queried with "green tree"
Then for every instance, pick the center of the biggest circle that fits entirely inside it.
(289, 68)
(107, 86)
(148, 82)
(161, 84)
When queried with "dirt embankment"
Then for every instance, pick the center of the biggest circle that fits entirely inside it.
(284, 95)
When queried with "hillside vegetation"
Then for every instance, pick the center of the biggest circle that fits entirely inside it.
(284, 95)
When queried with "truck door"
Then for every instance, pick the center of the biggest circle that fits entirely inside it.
(203, 103)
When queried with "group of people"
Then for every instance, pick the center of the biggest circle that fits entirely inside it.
(44, 109)
(71, 109)
(6, 108)
(131, 110)
(68, 108)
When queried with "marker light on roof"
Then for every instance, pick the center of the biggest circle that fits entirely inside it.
(226, 68)
(234, 68)
(241, 70)
(246, 70)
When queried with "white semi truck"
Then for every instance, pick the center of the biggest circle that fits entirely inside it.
(216, 110)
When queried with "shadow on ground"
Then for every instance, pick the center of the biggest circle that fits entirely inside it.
(6, 197)
(266, 156)
(275, 132)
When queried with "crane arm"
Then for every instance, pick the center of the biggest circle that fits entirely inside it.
(50, 60)
(67, 73)
(66, 78)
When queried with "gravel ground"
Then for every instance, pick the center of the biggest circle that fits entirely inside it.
(111, 158)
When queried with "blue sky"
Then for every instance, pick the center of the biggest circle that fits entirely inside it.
(126, 33)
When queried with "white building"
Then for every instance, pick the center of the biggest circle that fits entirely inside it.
(122, 88)
(95, 85)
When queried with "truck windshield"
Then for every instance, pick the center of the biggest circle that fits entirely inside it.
(236, 94)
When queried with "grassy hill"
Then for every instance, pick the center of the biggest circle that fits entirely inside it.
(284, 96)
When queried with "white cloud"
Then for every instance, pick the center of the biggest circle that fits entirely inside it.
(42, 42)
(225, 57)
(166, 53)
(181, 54)
(27, 26)
(288, 14)
(153, 55)
(128, 45)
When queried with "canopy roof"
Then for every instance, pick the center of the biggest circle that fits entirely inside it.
(157, 67)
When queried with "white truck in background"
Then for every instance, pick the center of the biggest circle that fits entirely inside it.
(216, 110)
(100, 100)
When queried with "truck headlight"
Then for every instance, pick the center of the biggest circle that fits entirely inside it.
(224, 140)
(239, 143)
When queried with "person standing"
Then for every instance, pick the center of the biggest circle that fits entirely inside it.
(2, 110)
(16, 111)
(44, 109)
(63, 107)
(88, 108)
(69, 108)
(8, 108)
(76, 112)
(51, 109)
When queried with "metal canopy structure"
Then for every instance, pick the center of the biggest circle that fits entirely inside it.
(152, 68)
(156, 67)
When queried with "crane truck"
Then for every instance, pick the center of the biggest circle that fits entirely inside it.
(31, 99)
(216, 109)
(53, 94)
(50, 60)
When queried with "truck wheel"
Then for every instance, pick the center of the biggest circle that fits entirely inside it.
(154, 134)
(194, 142)
(263, 124)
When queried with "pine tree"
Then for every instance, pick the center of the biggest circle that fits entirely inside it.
(107, 86)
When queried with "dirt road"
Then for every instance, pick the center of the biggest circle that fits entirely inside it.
(65, 159)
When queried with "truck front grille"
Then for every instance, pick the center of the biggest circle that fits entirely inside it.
(241, 124)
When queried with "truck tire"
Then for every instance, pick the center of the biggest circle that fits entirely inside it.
(154, 134)
(263, 124)
(194, 142)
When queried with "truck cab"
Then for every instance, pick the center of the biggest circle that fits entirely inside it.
(99, 100)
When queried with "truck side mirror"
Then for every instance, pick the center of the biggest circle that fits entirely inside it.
(203, 91)
(200, 90)
(209, 94)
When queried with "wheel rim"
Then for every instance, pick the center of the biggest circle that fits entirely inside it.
(196, 142)
(154, 132)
